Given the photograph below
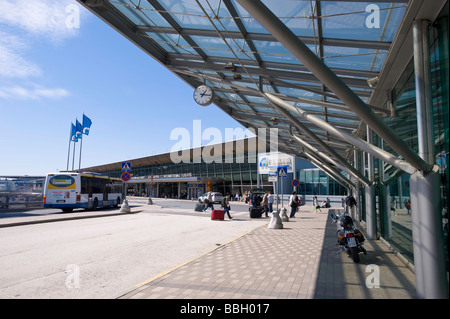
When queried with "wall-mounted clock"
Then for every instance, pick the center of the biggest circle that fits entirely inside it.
(203, 95)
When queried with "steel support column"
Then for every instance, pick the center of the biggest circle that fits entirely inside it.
(371, 214)
(357, 189)
(332, 161)
(428, 242)
(330, 171)
(350, 138)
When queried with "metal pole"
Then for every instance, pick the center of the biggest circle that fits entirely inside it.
(423, 91)
(428, 242)
(357, 188)
(278, 184)
(73, 158)
(356, 141)
(292, 43)
(282, 193)
(330, 171)
(68, 153)
(388, 212)
(81, 147)
(308, 132)
(258, 182)
(370, 195)
(331, 160)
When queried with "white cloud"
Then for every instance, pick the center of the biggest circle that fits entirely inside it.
(12, 63)
(43, 18)
(17, 92)
(22, 22)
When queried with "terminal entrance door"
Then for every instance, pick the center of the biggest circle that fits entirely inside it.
(195, 192)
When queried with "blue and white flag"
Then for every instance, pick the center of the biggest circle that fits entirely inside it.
(78, 130)
(73, 136)
(86, 124)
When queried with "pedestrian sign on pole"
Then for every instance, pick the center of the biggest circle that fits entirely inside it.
(126, 166)
(282, 171)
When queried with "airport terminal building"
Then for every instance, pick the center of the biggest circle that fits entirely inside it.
(159, 176)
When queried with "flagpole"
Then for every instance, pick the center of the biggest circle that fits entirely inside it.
(81, 146)
(74, 144)
(68, 153)
(73, 158)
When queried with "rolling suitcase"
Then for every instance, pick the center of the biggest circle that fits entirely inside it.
(256, 212)
(199, 207)
(217, 214)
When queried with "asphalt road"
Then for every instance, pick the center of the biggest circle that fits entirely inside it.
(105, 257)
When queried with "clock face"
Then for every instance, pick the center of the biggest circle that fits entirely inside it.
(203, 95)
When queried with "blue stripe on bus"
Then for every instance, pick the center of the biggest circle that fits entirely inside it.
(79, 205)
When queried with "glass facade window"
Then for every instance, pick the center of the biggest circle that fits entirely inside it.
(316, 182)
(405, 124)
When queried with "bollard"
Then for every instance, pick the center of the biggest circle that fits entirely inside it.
(149, 202)
(124, 208)
(283, 215)
(275, 221)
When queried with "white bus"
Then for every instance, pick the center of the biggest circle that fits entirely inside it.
(90, 191)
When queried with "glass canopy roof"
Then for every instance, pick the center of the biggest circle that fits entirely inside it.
(218, 43)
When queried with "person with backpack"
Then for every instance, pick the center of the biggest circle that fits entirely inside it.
(225, 203)
(293, 202)
(208, 202)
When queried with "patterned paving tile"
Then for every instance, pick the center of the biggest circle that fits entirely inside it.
(299, 261)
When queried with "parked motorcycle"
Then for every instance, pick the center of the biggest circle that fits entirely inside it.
(350, 239)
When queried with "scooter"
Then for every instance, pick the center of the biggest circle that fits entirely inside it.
(350, 239)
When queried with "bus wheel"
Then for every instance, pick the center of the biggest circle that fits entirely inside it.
(95, 204)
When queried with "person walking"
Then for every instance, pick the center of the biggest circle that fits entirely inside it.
(226, 205)
(316, 204)
(265, 203)
(293, 202)
(208, 202)
(270, 201)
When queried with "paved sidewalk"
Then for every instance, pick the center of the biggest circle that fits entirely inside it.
(300, 261)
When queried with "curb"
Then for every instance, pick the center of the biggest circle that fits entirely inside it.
(59, 219)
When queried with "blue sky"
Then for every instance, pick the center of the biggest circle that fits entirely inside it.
(50, 74)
